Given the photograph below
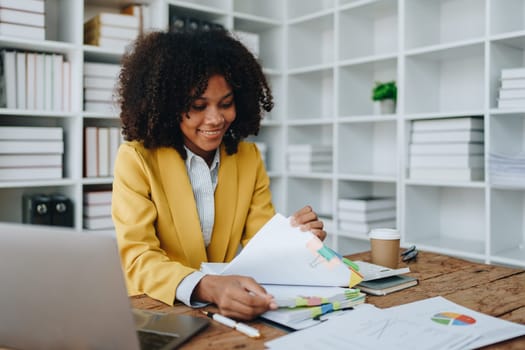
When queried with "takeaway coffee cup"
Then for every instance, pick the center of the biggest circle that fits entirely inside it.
(384, 243)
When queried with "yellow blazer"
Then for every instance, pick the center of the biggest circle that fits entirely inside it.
(156, 220)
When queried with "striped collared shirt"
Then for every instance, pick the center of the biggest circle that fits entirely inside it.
(204, 182)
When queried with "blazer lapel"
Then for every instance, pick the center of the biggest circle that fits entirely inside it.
(226, 195)
(179, 195)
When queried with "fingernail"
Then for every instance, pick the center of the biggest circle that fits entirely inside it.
(273, 306)
(304, 228)
(293, 221)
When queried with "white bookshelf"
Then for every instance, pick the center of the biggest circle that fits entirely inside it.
(322, 58)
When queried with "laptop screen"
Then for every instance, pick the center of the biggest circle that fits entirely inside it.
(63, 289)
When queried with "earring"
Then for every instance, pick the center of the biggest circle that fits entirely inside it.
(231, 133)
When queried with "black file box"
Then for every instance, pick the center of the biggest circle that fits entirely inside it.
(61, 210)
(36, 209)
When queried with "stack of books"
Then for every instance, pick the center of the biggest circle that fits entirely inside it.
(382, 280)
(97, 210)
(447, 149)
(99, 85)
(30, 153)
(111, 30)
(512, 90)
(507, 169)
(359, 215)
(23, 19)
(31, 80)
(100, 150)
(142, 12)
(309, 158)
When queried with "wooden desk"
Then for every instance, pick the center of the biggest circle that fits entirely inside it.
(493, 290)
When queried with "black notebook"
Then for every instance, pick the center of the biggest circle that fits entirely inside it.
(383, 286)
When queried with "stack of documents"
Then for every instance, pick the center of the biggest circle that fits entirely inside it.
(447, 149)
(512, 89)
(507, 169)
(358, 215)
(309, 158)
(282, 254)
(303, 274)
(300, 305)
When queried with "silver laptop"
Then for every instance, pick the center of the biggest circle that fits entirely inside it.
(63, 289)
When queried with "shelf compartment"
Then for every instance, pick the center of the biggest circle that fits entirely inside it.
(507, 238)
(11, 203)
(70, 136)
(368, 30)
(310, 95)
(62, 20)
(314, 192)
(314, 135)
(91, 9)
(356, 83)
(99, 123)
(354, 189)
(447, 218)
(219, 17)
(507, 16)
(506, 52)
(507, 133)
(365, 189)
(270, 41)
(368, 148)
(311, 43)
(433, 22)
(445, 80)
(272, 137)
(270, 9)
(300, 8)
(507, 136)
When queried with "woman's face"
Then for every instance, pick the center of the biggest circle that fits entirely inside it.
(210, 116)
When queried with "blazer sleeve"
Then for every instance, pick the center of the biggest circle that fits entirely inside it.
(146, 266)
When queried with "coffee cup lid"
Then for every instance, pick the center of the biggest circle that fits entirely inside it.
(384, 233)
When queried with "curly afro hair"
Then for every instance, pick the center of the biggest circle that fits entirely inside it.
(165, 72)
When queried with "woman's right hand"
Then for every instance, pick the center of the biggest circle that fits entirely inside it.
(238, 297)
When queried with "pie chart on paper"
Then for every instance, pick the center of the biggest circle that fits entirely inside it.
(453, 319)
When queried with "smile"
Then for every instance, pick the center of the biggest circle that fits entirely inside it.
(211, 132)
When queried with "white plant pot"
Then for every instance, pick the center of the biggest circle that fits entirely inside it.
(387, 106)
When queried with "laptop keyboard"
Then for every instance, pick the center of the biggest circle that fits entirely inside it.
(154, 341)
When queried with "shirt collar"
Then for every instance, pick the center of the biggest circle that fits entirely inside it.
(214, 164)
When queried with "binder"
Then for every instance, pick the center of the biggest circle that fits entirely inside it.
(61, 210)
(36, 209)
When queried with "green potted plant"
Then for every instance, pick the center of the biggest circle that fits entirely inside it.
(385, 95)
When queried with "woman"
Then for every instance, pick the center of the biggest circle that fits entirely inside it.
(186, 188)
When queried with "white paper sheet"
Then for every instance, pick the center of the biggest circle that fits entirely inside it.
(282, 254)
(370, 328)
(434, 323)
(442, 314)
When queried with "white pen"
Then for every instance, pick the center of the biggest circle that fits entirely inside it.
(241, 327)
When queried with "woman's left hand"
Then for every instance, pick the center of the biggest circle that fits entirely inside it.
(306, 219)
